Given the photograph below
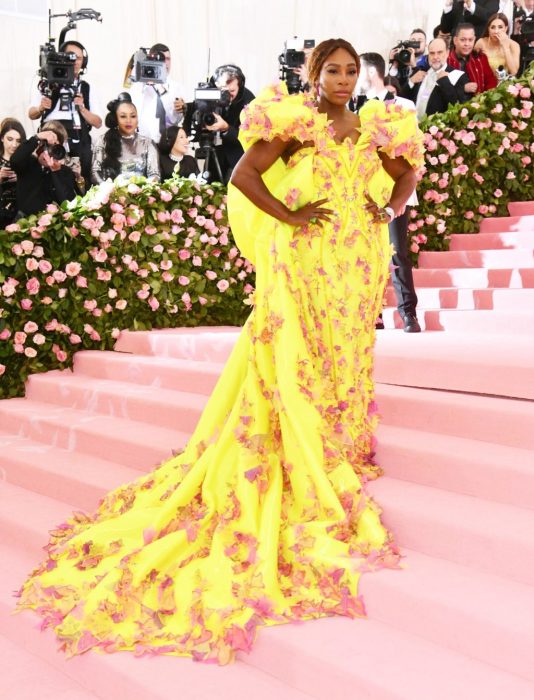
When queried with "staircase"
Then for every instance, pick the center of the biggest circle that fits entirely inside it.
(457, 446)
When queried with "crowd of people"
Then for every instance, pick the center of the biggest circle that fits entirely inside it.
(477, 44)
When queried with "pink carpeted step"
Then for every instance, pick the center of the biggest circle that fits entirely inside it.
(76, 478)
(135, 444)
(481, 364)
(167, 373)
(471, 467)
(489, 322)
(26, 677)
(490, 419)
(199, 344)
(491, 259)
(507, 223)
(492, 537)
(474, 277)
(521, 208)
(454, 298)
(504, 240)
(473, 613)
(486, 617)
(416, 669)
(175, 410)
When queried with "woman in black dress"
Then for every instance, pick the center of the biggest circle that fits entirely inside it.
(12, 134)
(174, 154)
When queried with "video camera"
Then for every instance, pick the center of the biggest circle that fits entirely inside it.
(148, 67)
(292, 57)
(56, 68)
(209, 101)
(404, 56)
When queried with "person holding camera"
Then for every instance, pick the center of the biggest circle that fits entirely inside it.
(174, 156)
(230, 79)
(42, 176)
(523, 32)
(122, 150)
(475, 12)
(438, 87)
(12, 134)
(160, 105)
(407, 56)
(75, 106)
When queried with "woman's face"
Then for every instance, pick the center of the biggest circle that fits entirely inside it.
(497, 28)
(10, 142)
(338, 77)
(127, 119)
(181, 144)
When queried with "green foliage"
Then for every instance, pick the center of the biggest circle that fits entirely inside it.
(478, 158)
(137, 256)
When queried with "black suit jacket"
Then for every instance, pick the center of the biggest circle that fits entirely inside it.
(443, 94)
(483, 11)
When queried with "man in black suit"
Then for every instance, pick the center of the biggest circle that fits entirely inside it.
(476, 12)
(434, 90)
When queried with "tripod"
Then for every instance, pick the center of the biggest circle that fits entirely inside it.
(206, 150)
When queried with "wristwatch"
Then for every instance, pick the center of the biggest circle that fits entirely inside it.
(390, 212)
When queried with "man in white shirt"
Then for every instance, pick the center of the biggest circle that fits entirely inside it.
(159, 105)
(371, 85)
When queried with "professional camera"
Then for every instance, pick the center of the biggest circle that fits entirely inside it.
(293, 56)
(55, 150)
(404, 56)
(56, 68)
(148, 67)
(209, 101)
(527, 28)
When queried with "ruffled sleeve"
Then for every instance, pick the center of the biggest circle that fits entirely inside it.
(274, 113)
(393, 130)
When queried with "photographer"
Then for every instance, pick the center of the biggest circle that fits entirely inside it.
(75, 106)
(407, 56)
(523, 33)
(42, 176)
(159, 104)
(230, 79)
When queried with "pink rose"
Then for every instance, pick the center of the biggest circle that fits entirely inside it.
(20, 338)
(183, 280)
(46, 300)
(17, 249)
(95, 336)
(121, 304)
(32, 285)
(90, 304)
(153, 303)
(498, 193)
(469, 214)
(45, 220)
(166, 264)
(184, 254)
(27, 246)
(202, 301)
(211, 275)
(73, 268)
(30, 352)
(5, 334)
(483, 209)
(26, 304)
(524, 93)
(177, 216)
(165, 196)
(44, 266)
(32, 264)
(143, 294)
(135, 236)
(39, 339)
(167, 277)
(59, 276)
(74, 339)
(158, 249)
(2, 369)
(222, 285)
(81, 282)
(62, 293)
(30, 327)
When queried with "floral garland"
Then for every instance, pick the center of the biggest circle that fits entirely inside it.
(136, 255)
(478, 158)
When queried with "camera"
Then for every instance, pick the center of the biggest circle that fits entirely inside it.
(56, 68)
(148, 67)
(404, 56)
(293, 56)
(208, 102)
(55, 151)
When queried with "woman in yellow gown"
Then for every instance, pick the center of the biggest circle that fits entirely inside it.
(264, 518)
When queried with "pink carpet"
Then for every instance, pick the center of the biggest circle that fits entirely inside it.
(457, 445)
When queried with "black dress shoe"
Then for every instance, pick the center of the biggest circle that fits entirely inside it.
(411, 324)
(379, 323)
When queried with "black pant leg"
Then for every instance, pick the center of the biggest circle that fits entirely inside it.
(402, 276)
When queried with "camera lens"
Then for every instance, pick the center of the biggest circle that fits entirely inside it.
(209, 119)
(57, 152)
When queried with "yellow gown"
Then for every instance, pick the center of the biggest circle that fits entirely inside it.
(264, 518)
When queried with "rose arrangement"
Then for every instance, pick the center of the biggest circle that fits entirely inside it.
(478, 158)
(137, 255)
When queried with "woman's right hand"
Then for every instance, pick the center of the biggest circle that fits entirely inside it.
(7, 174)
(311, 213)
